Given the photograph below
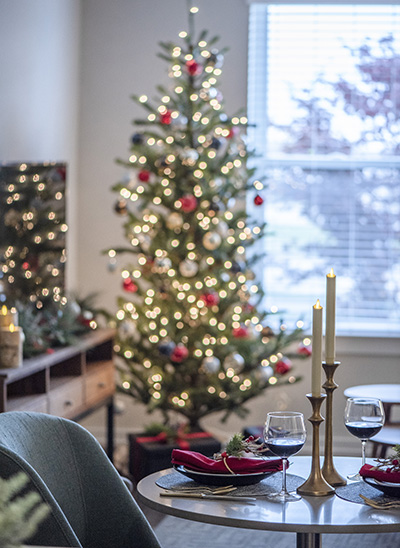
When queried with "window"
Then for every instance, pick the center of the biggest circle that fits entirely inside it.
(324, 121)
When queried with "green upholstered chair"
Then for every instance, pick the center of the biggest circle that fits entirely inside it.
(90, 505)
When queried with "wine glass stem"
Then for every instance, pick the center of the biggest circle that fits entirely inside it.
(284, 465)
(363, 444)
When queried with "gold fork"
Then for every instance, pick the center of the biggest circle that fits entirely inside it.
(380, 505)
(203, 489)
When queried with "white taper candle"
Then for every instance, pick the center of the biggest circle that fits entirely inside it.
(316, 358)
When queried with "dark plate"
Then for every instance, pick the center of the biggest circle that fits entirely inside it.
(222, 479)
(390, 489)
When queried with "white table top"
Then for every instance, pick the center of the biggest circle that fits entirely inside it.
(329, 514)
(387, 393)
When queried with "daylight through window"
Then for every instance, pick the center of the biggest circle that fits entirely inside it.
(324, 115)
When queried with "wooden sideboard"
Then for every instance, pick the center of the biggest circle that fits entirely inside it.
(70, 382)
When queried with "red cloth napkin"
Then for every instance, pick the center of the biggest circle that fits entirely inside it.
(370, 472)
(200, 463)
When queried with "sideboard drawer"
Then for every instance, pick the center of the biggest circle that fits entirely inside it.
(100, 382)
(67, 400)
(36, 403)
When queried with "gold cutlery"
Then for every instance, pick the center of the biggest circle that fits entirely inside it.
(207, 496)
(381, 505)
(203, 489)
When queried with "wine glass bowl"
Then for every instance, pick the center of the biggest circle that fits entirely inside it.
(284, 435)
(363, 418)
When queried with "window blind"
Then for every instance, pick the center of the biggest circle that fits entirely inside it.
(324, 120)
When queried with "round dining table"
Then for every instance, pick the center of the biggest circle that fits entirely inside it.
(309, 517)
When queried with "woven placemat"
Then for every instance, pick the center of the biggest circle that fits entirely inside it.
(267, 486)
(352, 492)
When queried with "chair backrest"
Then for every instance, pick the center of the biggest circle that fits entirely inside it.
(91, 507)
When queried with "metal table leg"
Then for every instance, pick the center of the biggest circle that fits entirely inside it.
(308, 540)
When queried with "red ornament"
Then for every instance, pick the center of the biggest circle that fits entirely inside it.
(165, 117)
(193, 68)
(25, 265)
(240, 332)
(188, 203)
(129, 285)
(62, 172)
(258, 200)
(179, 353)
(232, 132)
(144, 176)
(84, 320)
(210, 299)
(304, 350)
(283, 366)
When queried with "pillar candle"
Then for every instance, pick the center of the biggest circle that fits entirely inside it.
(11, 340)
(316, 358)
(330, 350)
(8, 317)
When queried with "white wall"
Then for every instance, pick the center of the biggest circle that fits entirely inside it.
(39, 66)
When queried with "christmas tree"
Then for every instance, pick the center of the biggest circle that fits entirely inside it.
(32, 233)
(33, 256)
(192, 339)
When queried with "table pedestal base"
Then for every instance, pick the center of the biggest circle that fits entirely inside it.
(308, 540)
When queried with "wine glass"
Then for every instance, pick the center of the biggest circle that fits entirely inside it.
(363, 417)
(284, 435)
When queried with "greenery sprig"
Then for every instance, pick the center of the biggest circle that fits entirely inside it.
(238, 445)
(390, 463)
(20, 515)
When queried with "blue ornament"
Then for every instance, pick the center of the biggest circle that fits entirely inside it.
(215, 143)
(137, 139)
(166, 348)
(236, 267)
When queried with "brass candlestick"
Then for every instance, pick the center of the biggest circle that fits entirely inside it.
(329, 472)
(315, 485)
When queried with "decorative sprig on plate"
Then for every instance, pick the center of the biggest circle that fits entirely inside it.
(390, 463)
(238, 445)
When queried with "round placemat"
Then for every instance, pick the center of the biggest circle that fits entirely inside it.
(352, 492)
(271, 484)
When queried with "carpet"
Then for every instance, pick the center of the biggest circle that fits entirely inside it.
(181, 533)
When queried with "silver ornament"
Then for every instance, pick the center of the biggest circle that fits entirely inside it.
(162, 264)
(234, 361)
(223, 228)
(189, 156)
(188, 268)
(210, 364)
(264, 372)
(127, 330)
(174, 220)
(211, 240)
(145, 241)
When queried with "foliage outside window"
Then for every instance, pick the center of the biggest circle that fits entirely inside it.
(324, 106)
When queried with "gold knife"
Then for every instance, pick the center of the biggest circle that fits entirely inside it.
(205, 496)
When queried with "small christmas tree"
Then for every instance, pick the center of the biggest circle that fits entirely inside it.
(32, 233)
(33, 256)
(191, 338)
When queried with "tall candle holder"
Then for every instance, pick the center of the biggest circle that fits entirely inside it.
(315, 485)
(329, 472)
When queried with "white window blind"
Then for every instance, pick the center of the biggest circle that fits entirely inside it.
(324, 115)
